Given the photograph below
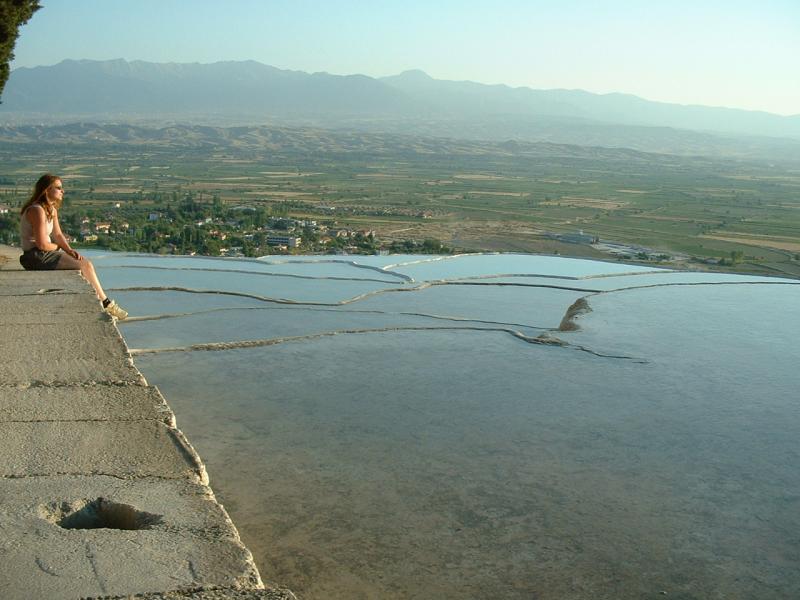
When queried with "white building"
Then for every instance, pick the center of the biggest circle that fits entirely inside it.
(289, 241)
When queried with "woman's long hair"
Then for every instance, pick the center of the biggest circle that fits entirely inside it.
(40, 195)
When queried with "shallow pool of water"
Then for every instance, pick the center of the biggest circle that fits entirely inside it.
(410, 444)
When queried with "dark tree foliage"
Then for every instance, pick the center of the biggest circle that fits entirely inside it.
(13, 13)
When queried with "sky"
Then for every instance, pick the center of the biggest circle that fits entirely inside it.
(733, 53)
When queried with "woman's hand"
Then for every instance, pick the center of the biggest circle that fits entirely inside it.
(74, 254)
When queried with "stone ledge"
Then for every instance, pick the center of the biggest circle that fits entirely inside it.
(90, 351)
(270, 593)
(100, 402)
(42, 283)
(184, 539)
(49, 309)
(117, 448)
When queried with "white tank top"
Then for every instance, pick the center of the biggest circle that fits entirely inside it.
(26, 231)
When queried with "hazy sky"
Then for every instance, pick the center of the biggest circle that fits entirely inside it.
(742, 54)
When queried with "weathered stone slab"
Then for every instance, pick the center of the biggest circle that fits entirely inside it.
(83, 403)
(181, 538)
(16, 283)
(123, 449)
(270, 593)
(50, 308)
(70, 352)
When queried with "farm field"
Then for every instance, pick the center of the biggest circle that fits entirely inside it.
(712, 213)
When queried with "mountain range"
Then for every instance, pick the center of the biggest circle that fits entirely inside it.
(248, 92)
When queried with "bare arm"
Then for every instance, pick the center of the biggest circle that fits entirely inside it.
(60, 239)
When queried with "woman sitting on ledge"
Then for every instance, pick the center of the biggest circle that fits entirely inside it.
(43, 241)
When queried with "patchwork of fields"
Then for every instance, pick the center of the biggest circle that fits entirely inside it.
(469, 195)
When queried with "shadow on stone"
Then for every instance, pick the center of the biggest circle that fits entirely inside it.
(99, 514)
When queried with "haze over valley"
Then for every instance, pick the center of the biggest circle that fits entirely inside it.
(250, 93)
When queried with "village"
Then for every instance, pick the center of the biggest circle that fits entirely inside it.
(193, 228)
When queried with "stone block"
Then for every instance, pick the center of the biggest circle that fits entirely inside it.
(101, 402)
(125, 449)
(72, 537)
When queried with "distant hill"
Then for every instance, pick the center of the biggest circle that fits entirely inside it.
(246, 93)
(289, 140)
(303, 143)
(226, 89)
(471, 99)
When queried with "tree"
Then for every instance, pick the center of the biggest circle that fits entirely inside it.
(217, 205)
(13, 14)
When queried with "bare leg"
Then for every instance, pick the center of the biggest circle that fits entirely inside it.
(86, 268)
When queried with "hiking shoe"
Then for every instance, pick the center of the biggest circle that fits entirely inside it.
(115, 311)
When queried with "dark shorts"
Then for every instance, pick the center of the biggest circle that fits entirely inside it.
(40, 260)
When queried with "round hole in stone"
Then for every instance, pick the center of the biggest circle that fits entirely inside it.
(101, 514)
